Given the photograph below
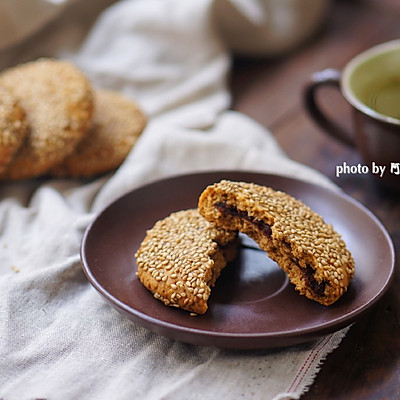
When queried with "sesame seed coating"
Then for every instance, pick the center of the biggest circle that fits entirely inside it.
(117, 124)
(181, 257)
(309, 250)
(13, 126)
(58, 102)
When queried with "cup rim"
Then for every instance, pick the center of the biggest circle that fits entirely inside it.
(345, 84)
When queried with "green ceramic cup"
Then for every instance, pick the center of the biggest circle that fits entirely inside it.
(370, 83)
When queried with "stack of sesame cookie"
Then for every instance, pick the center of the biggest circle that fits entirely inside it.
(53, 122)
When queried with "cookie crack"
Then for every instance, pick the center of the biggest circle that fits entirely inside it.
(226, 208)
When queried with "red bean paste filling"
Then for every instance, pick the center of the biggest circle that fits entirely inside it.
(228, 209)
(317, 287)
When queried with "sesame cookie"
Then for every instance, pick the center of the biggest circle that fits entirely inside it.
(117, 124)
(58, 102)
(13, 127)
(309, 250)
(181, 257)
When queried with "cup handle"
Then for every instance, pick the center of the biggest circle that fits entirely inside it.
(327, 77)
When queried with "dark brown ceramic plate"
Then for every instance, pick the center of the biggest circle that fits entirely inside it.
(252, 305)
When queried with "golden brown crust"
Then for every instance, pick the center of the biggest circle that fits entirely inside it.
(181, 257)
(117, 124)
(13, 126)
(58, 102)
(309, 250)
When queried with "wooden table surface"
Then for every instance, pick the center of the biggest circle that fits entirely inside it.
(367, 363)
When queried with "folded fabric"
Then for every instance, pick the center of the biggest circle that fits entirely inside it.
(59, 338)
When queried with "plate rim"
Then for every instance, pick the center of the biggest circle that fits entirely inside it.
(336, 323)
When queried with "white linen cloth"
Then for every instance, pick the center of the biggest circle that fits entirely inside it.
(59, 338)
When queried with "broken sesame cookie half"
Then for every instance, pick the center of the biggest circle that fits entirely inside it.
(308, 249)
(182, 256)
